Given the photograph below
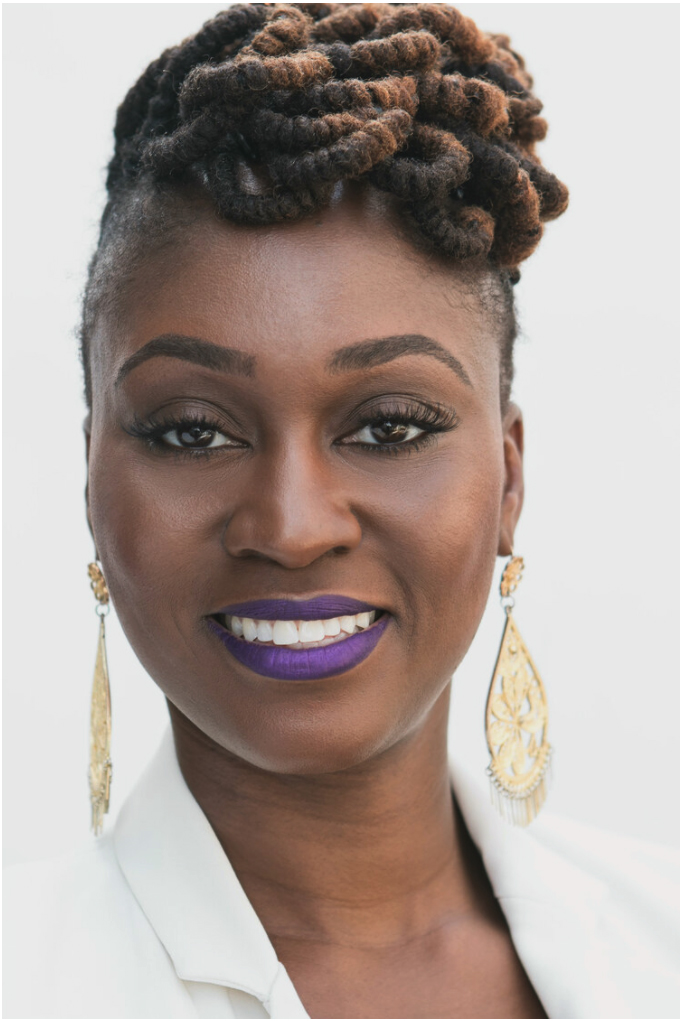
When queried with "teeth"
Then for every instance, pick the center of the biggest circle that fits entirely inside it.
(299, 633)
(311, 630)
(250, 629)
(265, 632)
(285, 632)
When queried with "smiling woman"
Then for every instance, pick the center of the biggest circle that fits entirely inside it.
(289, 452)
(303, 462)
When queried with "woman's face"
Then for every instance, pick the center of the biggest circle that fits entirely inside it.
(320, 418)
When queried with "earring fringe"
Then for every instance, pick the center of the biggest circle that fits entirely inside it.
(521, 810)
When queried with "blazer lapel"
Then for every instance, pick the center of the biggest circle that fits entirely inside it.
(552, 909)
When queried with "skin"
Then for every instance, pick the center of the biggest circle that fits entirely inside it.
(363, 873)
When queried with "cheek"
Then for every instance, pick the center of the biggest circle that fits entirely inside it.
(447, 545)
(157, 534)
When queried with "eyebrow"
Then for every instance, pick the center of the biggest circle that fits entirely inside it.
(364, 355)
(190, 349)
(369, 353)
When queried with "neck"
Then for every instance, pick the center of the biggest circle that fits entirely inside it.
(375, 854)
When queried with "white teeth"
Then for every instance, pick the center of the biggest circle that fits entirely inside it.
(265, 631)
(285, 632)
(299, 634)
(311, 630)
(250, 629)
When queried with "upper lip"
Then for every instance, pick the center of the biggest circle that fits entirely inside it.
(319, 608)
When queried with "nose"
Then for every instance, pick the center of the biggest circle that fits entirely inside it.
(292, 511)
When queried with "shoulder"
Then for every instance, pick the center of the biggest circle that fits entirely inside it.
(637, 929)
(27, 884)
(72, 895)
(593, 914)
(638, 873)
(73, 930)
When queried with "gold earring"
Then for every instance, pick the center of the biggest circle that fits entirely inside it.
(516, 719)
(100, 711)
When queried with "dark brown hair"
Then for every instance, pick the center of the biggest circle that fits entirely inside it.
(412, 98)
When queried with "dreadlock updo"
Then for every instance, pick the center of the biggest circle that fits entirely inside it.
(412, 98)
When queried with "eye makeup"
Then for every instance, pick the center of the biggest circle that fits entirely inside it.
(399, 425)
(194, 432)
(390, 426)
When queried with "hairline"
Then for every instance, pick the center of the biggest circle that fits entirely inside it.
(143, 220)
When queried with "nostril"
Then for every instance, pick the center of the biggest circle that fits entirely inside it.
(274, 558)
(291, 535)
(252, 554)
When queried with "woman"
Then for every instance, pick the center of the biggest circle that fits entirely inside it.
(297, 340)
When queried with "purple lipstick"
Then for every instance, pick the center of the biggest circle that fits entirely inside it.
(320, 608)
(289, 639)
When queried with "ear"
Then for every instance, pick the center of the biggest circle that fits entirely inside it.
(87, 429)
(514, 484)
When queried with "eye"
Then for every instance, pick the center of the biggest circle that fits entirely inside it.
(386, 431)
(195, 437)
(400, 424)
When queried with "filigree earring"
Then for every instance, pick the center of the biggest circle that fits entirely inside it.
(100, 711)
(516, 719)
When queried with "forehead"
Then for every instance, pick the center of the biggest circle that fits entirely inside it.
(307, 288)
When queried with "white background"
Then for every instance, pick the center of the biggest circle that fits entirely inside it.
(597, 379)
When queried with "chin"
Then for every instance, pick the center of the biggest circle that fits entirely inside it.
(318, 754)
(321, 731)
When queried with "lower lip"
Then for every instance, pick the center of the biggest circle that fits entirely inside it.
(285, 664)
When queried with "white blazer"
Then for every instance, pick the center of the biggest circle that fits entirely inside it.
(152, 922)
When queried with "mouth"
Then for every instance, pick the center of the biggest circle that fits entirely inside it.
(300, 640)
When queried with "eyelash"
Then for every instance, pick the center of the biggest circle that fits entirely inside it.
(152, 432)
(433, 419)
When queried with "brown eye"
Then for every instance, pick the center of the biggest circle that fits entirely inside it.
(390, 432)
(195, 437)
(385, 432)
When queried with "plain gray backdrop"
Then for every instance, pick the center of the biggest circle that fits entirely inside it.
(597, 380)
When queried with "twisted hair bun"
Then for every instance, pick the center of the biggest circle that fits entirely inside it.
(269, 106)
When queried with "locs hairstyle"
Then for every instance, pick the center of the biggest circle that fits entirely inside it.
(269, 106)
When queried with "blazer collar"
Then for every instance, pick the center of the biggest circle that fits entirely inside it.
(188, 890)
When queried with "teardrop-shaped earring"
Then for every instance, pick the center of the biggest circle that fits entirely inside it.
(516, 719)
(100, 711)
